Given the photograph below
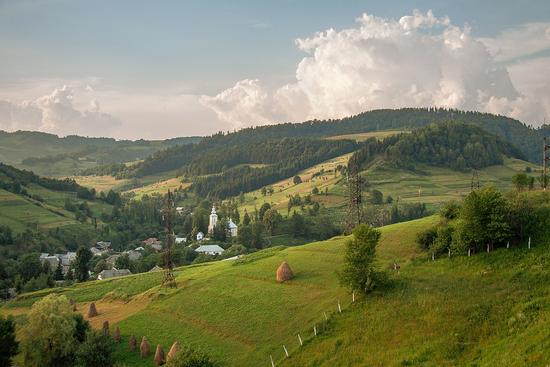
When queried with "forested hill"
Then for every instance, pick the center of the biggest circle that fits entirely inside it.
(15, 180)
(30, 147)
(525, 138)
(456, 145)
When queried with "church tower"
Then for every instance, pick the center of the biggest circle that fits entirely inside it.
(213, 220)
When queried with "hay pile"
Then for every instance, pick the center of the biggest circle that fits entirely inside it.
(92, 311)
(117, 335)
(159, 356)
(106, 328)
(175, 349)
(132, 343)
(144, 348)
(284, 272)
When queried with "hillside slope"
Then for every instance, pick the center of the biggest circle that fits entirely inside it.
(488, 308)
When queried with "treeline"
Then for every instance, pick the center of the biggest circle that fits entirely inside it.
(487, 219)
(286, 158)
(19, 178)
(456, 145)
(510, 130)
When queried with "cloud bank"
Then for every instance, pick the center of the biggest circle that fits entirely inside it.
(55, 113)
(417, 61)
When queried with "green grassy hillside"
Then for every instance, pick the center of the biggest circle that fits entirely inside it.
(490, 309)
(486, 310)
(427, 184)
(234, 310)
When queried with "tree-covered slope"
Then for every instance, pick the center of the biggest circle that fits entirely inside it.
(527, 139)
(455, 145)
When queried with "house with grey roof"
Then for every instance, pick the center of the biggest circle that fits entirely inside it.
(113, 273)
(210, 250)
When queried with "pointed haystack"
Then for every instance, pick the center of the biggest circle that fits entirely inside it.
(175, 349)
(159, 356)
(144, 348)
(117, 335)
(92, 311)
(132, 343)
(106, 328)
(284, 272)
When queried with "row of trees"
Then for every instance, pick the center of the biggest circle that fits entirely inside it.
(487, 219)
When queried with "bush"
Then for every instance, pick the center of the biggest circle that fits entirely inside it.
(188, 357)
(426, 238)
(8, 343)
(96, 351)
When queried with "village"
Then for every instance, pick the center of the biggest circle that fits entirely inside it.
(111, 260)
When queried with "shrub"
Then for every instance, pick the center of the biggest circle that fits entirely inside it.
(96, 351)
(188, 357)
(8, 344)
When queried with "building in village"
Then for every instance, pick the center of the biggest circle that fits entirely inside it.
(232, 228)
(210, 250)
(113, 273)
(101, 248)
(213, 221)
(179, 240)
(53, 260)
(200, 236)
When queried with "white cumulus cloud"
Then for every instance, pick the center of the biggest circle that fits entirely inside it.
(56, 113)
(418, 60)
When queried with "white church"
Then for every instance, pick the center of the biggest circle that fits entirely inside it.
(232, 228)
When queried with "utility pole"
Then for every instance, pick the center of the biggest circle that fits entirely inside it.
(545, 159)
(168, 279)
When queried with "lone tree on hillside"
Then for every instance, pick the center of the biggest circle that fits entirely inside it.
(8, 344)
(360, 272)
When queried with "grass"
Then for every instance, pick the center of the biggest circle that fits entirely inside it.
(236, 311)
(100, 183)
(160, 187)
(489, 309)
(364, 136)
(427, 184)
(20, 212)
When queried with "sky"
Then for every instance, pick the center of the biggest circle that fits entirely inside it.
(160, 69)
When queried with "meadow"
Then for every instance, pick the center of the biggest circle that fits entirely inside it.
(426, 184)
(488, 309)
(236, 311)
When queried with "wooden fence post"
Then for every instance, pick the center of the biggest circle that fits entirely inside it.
(272, 363)
(300, 340)
(286, 351)
(315, 330)
(353, 296)
(339, 308)
(326, 318)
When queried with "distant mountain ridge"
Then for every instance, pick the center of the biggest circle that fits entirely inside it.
(51, 155)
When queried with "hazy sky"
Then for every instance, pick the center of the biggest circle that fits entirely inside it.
(158, 69)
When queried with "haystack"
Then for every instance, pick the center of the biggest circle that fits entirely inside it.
(106, 328)
(159, 356)
(92, 311)
(144, 348)
(284, 272)
(172, 353)
(117, 335)
(132, 343)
